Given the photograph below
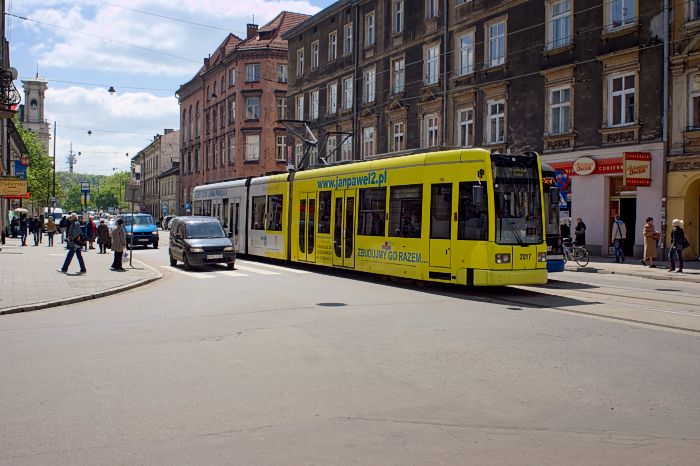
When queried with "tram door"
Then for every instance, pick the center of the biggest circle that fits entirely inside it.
(307, 227)
(440, 224)
(234, 220)
(343, 228)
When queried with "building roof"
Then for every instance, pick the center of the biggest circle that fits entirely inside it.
(318, 17)
(172, 171)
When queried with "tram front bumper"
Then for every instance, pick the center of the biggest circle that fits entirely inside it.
(510, 277)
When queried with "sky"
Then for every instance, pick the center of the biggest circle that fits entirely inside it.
(145, 49)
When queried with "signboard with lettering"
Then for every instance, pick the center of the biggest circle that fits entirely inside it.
(20, 170)
(12, 187)
(637, 169)
(602, 166)
(584, 166)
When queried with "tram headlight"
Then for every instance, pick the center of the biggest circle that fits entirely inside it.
(502, 258)
(541, 257)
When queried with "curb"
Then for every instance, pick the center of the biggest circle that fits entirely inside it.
(81, 298)
(670, 277)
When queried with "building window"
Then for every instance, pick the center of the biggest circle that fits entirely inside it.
(495, 128)
(346, 148)
(333, 46)
(298, 153)
(397, 136)
(694, 10)
(431, 130)
(397, 23)
(281, 108)
(347, 93)
(252, 72)
(196, 121)
(281, 73)
(232, 77)
(300, 62)
(214, 119)
(331, 144)
(332, 104)
(432, 64)
(559, 24)
(398, 76)
(347, 39)
(559, 110)
(466, 54)
(431, 8)
(280, 149)
(314, 55)
(232, 110)
(368, 148)
(465, 127)
(232, 149)
(496, 43)
(300, 107)
(622, 13)
(314, 105)
(694, 101)
(621, 100)
(222, 151)
(252, 147)
(252, 108)
(207, 123)
(369, 80)
(369, 29)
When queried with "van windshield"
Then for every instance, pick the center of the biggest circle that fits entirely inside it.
(139, 220)
(205, 230)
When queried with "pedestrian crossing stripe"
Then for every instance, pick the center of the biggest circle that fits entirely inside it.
(271, 266)
(254, 270)
(239, 272)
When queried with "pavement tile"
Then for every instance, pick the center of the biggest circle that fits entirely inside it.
(633, 267)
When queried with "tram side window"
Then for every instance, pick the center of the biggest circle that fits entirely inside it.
(372, 212)
(258, 213)
(441, 211)
(207, 208)
(324, 212)
(405, 211)
(274, 212)
(198, 207)
(473, 219)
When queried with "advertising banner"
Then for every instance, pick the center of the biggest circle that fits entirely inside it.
(637, 169)
(20, 170)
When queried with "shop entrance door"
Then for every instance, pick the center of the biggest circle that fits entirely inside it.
(628, 214)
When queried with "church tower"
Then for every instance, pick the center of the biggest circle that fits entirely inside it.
(33, 114)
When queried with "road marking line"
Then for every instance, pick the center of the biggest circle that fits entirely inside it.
(189, 274)
(254, 270)
(232, 273)
(274, 267)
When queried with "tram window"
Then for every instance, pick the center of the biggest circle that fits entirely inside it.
(198, 207)
(302, 226)
(224, 213)
(258, 213)
(274, 212)
(405, 211)
(311, 237)
(324, 212)
(349, 214)
(237, 219)
(473, 219)
(206, 208)
(372, 212)
(338, 230)
(441, 211)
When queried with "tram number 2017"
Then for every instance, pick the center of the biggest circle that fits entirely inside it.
(525, 257)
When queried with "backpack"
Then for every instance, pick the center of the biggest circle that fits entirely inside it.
(685, 242)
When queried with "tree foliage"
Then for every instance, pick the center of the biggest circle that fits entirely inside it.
(105, 191)
(40, 170)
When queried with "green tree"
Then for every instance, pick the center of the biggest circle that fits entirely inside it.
(104, 199)
(72, 201)
(40, 170)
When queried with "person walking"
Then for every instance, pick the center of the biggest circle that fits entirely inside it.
(103, 237)
(651, 238)
(23, 229)
(74, 237)
(618, 236)
(41, 228)
(50, 231)
(580, 232)
(62, 227)
(118, 237)
(34, 229)
(678, 243)
(91, 231)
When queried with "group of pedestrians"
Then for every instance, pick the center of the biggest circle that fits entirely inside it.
(27, 225)
(78, 238)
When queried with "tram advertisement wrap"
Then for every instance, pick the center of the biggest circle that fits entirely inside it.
(387, 254)
(372, 178)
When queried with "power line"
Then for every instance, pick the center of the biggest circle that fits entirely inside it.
(103, 85)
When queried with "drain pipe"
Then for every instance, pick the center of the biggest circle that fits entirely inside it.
(664, 133)
(444, 72)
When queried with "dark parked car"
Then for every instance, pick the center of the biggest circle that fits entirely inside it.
(165, 225)
(198, 241)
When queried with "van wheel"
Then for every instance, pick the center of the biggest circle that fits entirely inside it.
(230, 265)
(173, 261)
(186, 262)
(155, 245)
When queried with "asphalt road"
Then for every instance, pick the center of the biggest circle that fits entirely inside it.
(297, 366)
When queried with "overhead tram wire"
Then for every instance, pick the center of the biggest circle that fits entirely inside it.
(105, 85)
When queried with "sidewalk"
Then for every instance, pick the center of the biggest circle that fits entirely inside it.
(633, 267)
(30, 280)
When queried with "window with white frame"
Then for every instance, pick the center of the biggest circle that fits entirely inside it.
(466, 54)
(397, 136)
(432, 64)
(431, 8)
(693, 10)
(232, 149)
(333, 46)
(332, 97)
(314, 105)
(346, 148)
(281, 73)
(298, 153)
(559, 24)
(314, 55)
(621, 13)
(560, 110)
(369, 29)
(347, 39)
(397, 22)
(621, 100)
(252, 108)
(369, 80)
(300, 107)
(281, 108)
(431, 127)
(398, 76)
(280, 148)
(347, 93)
(252, 72)
(300, 62)
(495, 127)
(232, 77)
(694, 101)
(465, 127)
(496, 43)
(252, 147)
(331, 144)
(368, 148)
(232, 110)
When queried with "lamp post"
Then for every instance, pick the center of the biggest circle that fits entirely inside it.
(53, 189)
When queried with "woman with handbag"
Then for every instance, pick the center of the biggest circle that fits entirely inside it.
(678, 243)
(651, 238)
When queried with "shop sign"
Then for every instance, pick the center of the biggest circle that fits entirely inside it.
(12, 187)
(602, 166)
(584, 166)
(562, 179)
(637, 169)
(24, 160)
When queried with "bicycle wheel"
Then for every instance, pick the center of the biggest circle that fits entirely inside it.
(582, 257)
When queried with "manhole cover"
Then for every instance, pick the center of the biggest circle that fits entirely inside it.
(331, 304)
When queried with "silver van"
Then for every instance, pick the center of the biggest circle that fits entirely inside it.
(198, 241)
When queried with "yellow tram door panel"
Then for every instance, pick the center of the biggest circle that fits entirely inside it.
(441, 224)
(343, 228)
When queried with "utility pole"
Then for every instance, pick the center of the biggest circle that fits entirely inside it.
(53, 189)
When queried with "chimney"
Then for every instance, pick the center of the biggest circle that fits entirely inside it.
(167, 131)
(252, 30)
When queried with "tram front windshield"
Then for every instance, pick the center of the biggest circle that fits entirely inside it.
(518, 205)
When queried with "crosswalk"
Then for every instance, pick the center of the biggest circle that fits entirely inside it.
(243, 269)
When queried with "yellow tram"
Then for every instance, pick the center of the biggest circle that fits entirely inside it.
(461, 216)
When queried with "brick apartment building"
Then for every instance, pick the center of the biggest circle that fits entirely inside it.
(561, 77)
(230, 108)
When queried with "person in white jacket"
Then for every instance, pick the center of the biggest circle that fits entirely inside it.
(618, 235)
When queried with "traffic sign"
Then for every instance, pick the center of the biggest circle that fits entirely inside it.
(85, 186)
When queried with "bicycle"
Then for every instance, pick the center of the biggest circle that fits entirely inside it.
(575, 253)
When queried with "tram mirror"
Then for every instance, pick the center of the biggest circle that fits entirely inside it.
(554, 195)
(477, 195)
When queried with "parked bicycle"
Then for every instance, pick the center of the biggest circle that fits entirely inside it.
(575, 253)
